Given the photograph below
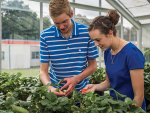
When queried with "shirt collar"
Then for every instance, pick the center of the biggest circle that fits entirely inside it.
(74, 32)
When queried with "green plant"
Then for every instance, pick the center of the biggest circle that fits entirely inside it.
(98, 76)
(28, 95)
(147, 85)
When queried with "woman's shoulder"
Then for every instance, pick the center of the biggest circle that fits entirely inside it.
(132, 51)
(131, 48)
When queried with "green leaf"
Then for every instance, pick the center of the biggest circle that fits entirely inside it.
(135, 109)
(101, 108)
(107, 110)
(52, 97)
(45, 102)
(94, 110)
(112, 101)
(56, 107)
(63, 100)
(129, 101)
(68, 107)
(117, 93)
(29, 98)
(93, 98)
(60, 81)
(10, 100)
(50, 84)
(19, 109)
(57, 90)
(118, 110)
(24, 103)
(148, 107)
(90, 93)
(104, 102)
(19, 74)
(87, 103)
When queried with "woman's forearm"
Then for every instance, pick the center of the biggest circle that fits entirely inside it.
(102, 86)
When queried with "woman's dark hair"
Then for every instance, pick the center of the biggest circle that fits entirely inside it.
(105, 23)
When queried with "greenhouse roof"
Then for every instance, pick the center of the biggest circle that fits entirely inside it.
(139, 9)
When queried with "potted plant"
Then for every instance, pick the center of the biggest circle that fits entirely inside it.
(98, 77)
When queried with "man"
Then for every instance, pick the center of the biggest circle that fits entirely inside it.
(68, 47)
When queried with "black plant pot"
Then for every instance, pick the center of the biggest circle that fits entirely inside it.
(100, 93)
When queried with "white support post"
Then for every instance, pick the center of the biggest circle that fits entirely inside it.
(99, 50)
(0, 39)
(41, 17)
(139, 39)
(73, 11)
(121, 26)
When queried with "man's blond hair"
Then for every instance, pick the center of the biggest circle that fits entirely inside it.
(57, 7)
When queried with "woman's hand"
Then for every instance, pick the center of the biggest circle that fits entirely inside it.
(89, 87)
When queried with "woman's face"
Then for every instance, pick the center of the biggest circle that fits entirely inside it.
(101, 40)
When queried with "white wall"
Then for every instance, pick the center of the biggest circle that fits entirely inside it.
(146, 35)
(20, 56)
(34, 62)
(5, 62)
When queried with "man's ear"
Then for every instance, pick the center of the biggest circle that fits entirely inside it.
(71, 13)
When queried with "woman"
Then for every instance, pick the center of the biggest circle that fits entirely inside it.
(124, 61)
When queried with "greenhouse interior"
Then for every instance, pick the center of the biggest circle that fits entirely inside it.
(22, 22)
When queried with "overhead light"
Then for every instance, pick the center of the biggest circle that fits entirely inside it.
(148, 1)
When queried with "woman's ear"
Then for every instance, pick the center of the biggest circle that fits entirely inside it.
(110, 34)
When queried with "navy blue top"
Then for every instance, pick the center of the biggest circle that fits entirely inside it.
(128, 58)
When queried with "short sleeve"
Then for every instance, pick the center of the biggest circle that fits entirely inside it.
(92, 50)
(44, 54)
(135, 59)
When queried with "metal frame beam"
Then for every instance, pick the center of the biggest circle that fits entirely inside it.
(142, 17)
(123, 12)
(80, 6)
(14, 8)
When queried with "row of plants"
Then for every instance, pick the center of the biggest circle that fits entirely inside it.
(147, 85)
(28, 95)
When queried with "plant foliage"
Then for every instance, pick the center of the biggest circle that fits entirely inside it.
(28, 95)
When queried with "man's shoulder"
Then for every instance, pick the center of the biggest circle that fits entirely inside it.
(81, 25)
(49, 30)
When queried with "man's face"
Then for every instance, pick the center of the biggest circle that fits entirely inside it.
(62, 22)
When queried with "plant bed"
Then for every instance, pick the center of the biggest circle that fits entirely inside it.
(147, 85)
(28, 95)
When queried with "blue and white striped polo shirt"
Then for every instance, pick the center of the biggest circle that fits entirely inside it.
(68, 57)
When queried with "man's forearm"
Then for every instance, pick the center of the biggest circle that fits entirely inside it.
(44, 78)
(87, 72)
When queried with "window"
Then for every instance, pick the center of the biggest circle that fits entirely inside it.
(3, 55)
(35, 55)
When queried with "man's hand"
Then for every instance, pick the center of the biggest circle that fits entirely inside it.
(71, 82)
(60, 93)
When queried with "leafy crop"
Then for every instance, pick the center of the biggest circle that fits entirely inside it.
(28, 95)
(147, 84)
